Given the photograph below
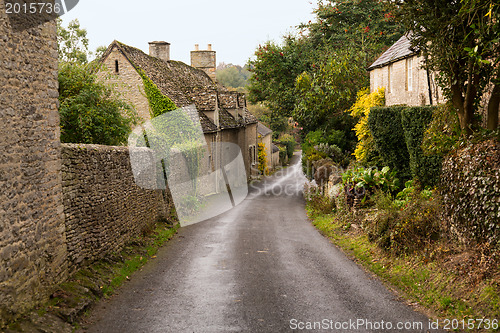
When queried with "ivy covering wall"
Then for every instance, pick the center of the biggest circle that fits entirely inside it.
(158, 103)
(470, 184)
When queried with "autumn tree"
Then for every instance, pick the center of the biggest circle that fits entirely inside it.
(366, 27)
(272, 84)
(460, 41)
(314, 75)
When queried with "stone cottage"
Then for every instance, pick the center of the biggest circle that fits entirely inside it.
(400, 70)
(275, 155)
(223, 114)
(265, 137)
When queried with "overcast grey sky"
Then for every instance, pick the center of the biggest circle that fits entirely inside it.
(233, 27)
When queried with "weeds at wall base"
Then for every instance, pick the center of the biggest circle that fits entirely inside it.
(73, 299)
(444, 285)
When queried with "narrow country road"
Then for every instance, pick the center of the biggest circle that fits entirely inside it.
(261, 267)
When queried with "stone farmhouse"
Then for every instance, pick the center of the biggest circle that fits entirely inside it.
(400, 70)
(223, 113)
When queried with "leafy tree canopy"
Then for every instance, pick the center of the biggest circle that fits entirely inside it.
(329, 90)
(90, 111)
(461, 42)
(364, 26)
(73, 44)
(233, 76)
(274, 71)
(72, 41)
(314, 76)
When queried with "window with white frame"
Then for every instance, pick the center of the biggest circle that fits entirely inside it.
(252, 150)
(389, 78)
(409, 74)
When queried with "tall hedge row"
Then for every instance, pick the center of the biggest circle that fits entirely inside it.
(415, 120)
(387, 131)
(398, 132)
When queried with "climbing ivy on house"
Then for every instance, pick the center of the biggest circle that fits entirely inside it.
(158, 103)
(189, 140)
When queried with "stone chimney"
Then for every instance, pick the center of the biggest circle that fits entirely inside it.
(204, 60)
(160, 50)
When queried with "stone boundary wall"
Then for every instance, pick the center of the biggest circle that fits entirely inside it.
(103, 206)
(56, 214)
(32, 238)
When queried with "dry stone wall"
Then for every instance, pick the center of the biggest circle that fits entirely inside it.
(104, 207)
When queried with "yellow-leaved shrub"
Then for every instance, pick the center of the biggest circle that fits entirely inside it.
(361, 110)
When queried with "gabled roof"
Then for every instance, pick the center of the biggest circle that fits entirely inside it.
(274, 148)
(250, 118)
(184, 85)
(207, 125)
(400, 50)
(263, 130)
(226, 120)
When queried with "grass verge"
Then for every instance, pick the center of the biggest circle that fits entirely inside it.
(442, 287)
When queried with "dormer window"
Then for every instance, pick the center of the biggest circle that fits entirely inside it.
(117, 67)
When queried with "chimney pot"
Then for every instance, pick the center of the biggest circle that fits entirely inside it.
(204, 60)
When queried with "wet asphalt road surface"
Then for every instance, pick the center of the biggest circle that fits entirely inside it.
(261, 267)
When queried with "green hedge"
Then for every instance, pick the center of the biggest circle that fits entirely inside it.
(415, 121)
(289, 142)
(387, 131)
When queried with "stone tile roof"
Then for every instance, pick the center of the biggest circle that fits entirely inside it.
(186, 85)
(183, 84)
(206, 124)
(399, 50)
(226, 120)
(274, 148)
(263, 130)
(250, 118)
